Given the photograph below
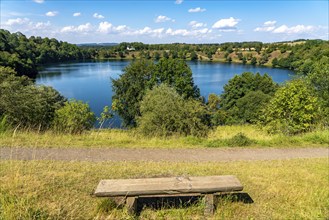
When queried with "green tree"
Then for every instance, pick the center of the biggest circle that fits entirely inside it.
(253, 61)
(319, 79)
(233, 99)
(244, 60)
(164, 112)
(292, 110)
(193, 56)
(74, 118)
(240, 85)
(130, 88)
(141, 75)
(177, 74)
(156, 55)
(25, 104)
(275, 62)
(250, 106)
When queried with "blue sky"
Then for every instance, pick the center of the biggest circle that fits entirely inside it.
(167, 21)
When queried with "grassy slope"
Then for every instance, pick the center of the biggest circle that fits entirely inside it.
(290, 189)
(123, 138)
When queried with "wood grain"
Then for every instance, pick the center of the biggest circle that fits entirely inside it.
(167, 186)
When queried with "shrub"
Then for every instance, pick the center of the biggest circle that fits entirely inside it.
(74, 118)
(292, 110)
(239, 140)
(164, 112)
(26, 104)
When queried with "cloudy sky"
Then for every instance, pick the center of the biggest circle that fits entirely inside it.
(167, 21)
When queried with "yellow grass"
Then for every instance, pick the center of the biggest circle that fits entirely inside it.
(109, 138)
(290, 189)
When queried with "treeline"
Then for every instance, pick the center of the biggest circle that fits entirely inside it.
(25, 54)
(154, 99)
(295, 55)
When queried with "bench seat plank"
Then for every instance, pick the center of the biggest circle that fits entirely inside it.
(167, 186)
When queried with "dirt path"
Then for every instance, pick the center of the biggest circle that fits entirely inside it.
(174, 155)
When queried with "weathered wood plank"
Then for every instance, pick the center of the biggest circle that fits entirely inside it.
(209, 204)
(167, 186)
(131, 203)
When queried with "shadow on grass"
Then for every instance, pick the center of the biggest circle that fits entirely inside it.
(171, 202)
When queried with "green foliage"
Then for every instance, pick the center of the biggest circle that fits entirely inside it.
(164, 112)
(250, 106)
(25, 104)
(105, 116)
(4, 125)
(253, 61)
(319, 79)
(141, 75)
(74, 118)
(239, 140)
(24, 54)
(239, 105)
(130, 88)
(240, 85)
(177, 74)
(292, 110)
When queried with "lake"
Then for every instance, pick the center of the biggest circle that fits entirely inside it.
(91, 81)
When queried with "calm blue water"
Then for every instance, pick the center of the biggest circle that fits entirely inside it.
(91, 81)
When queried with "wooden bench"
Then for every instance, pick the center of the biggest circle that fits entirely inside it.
(132, 189)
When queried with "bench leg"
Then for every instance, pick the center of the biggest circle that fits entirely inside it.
(131, 203)
(210, 204)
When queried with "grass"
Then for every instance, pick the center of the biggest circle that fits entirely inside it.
(289, 189)
(107, 138)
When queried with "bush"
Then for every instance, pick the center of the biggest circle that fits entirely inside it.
(239, 140)
(25, 104)
(74, 118)
(164, 112)
(292, 110)
(142, 75)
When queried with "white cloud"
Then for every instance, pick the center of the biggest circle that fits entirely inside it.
(51, 13)
(226, 24)
(39, 1)
(163, 18)
(298, 29)
(195, 10)
(185, 33)
(195, 24)
(269, 23)
(17, 21)
(267, 27)
(76, 14)
(104, 27)
(147, 31)
(83, 28)
(121, 28)
(178, 2)
(99, 16)
(42, 25)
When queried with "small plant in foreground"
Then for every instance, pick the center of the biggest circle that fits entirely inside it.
(239, 140)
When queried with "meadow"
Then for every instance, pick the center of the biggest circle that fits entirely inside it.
(223, 136)
(281, 189)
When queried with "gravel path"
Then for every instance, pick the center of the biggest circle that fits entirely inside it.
(174, 155)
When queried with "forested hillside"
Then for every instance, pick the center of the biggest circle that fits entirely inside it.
(297, 55)
(25, 54)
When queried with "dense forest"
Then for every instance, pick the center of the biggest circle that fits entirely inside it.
(25, 54)
(160, 98)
